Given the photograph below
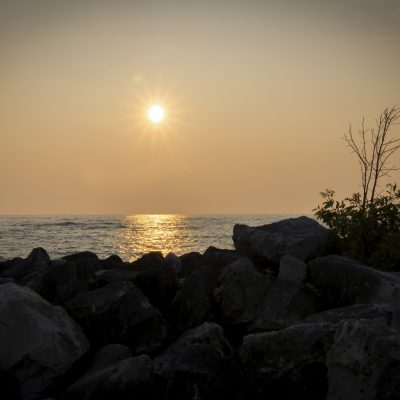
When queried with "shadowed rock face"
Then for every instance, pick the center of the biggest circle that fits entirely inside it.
(30, 271)
(288, 364)
(299, 237)
(39, 342)
(198, 365)
(364, 362)
(69, 277)
(342, 282)
(127, 378)
(252, 302)
(194, 303)
(119, 313)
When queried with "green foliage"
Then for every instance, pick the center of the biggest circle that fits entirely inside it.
(369, 232)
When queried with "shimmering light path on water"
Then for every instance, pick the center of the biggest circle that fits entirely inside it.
(128, 236)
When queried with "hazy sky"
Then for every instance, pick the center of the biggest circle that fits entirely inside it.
(258, 95)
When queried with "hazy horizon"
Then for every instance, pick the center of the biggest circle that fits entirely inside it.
(257, 96)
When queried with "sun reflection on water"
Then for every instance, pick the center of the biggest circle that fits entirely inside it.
(145, 233)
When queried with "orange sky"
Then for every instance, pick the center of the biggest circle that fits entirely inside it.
(257, 94)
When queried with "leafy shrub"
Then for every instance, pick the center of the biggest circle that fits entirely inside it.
(368, 231)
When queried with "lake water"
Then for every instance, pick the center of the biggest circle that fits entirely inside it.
(128, 236)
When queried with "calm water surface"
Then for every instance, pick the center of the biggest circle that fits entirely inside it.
(128, 236)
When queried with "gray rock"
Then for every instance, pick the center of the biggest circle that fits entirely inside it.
(292, 269)
(191, 262)
(119, 313)
(30, 271)
(193, 304)
(198, 365)
(174, 262)
(39, 342)
(159, 285)
(289, 364)
(220, 258)
(129, 378)
(300, 237)
(342, 281)
(152, 261)
(364, 362)
(108, 355)
(251, 302)
(67, 279)
(82, 255)
(105, 276)
(112, 262)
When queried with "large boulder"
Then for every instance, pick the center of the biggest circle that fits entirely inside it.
(112, 262)
(250, 301)
(69, 276)
(190, 262)
(152, 261)
(288, 364)
(39, 342)
(300, 237)
(105, 276)
(292, 269)
(198, 365)
(194, 303)
(119, 313)
(220, 258)
(30, 271)
(342, 281)
(159, 285)
(364, 362)
(121, 379)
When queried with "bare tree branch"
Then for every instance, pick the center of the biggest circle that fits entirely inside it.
(373, 149)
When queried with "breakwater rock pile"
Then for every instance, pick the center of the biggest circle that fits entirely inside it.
(279, 317)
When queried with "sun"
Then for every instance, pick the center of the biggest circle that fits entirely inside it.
(155, 113)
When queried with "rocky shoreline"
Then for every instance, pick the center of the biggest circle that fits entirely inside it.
(279, 317)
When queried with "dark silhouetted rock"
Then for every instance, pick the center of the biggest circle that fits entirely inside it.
(198, 365)
(158, 285)
(112, 262)
(83, 255)
(289, 364)
(30, 271)
(174, 262)
(252, 302)
(152, 261)
(190, 262)
(108, 355)
(342, 281)
(300, 237)
(105, 276)
(242, 291)
(66, 279)
(39, 342)
(364, 362)
(193, 304)
(119, 313)
(129, 378)
(292, 269)
(219, 258)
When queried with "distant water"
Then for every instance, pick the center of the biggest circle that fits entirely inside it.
(128, 236)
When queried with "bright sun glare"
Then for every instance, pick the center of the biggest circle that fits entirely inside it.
(156, 113)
